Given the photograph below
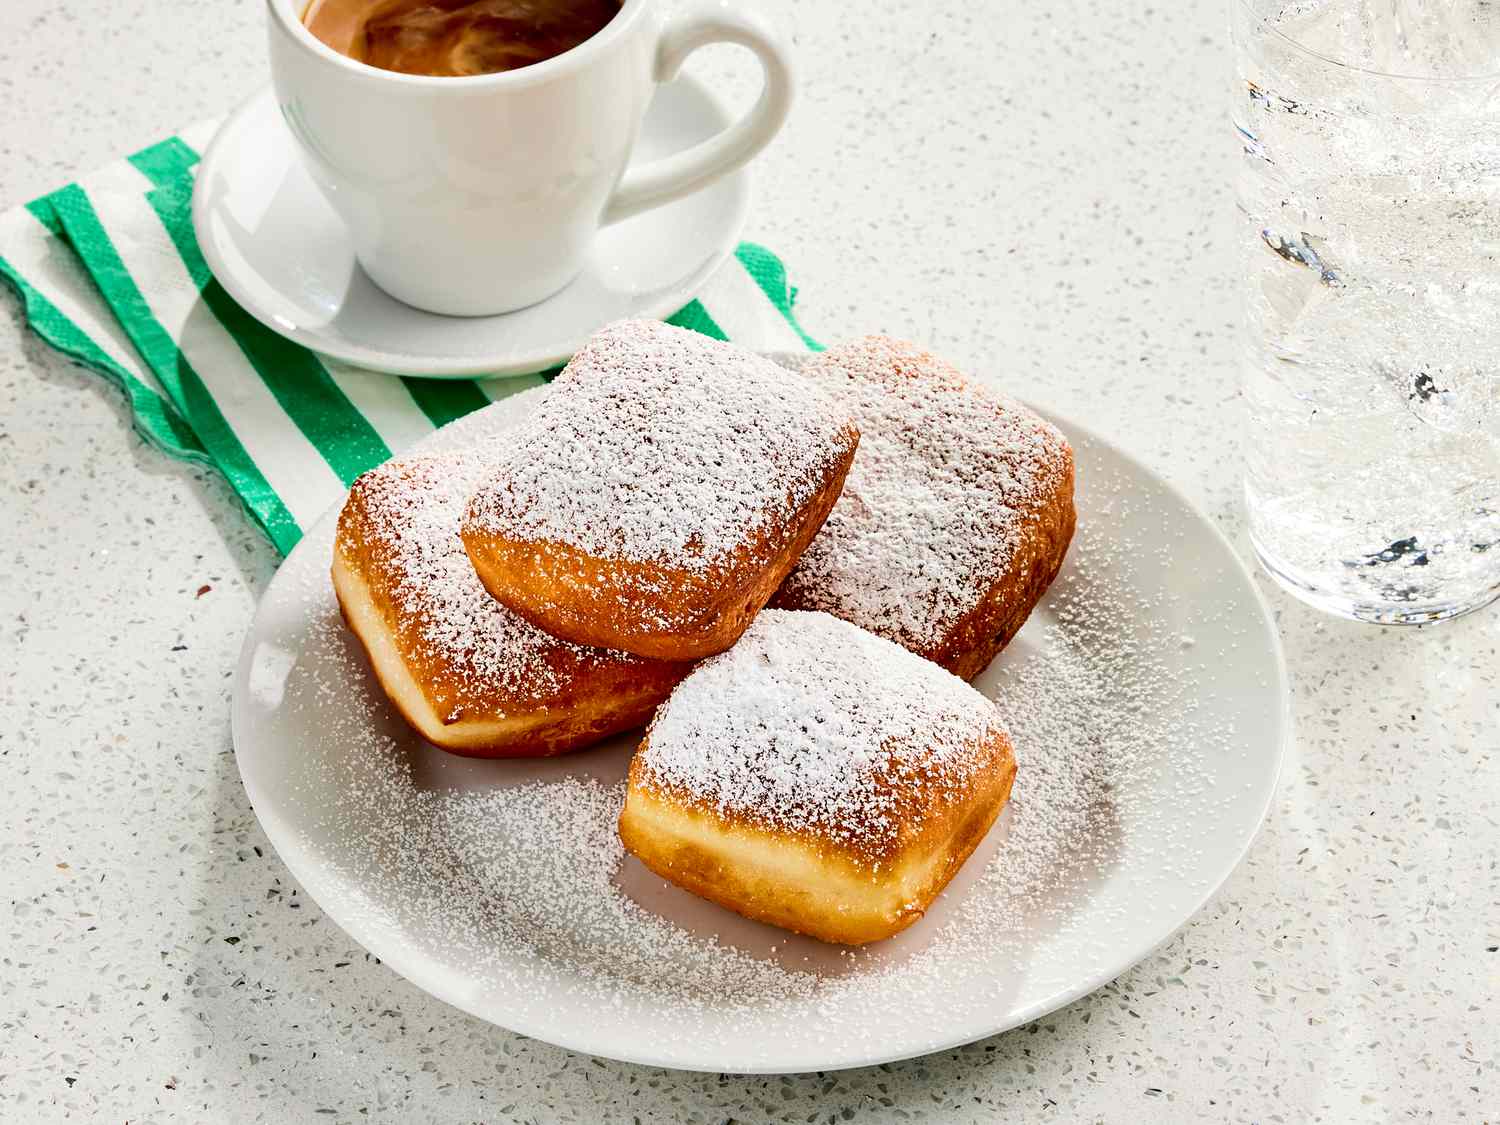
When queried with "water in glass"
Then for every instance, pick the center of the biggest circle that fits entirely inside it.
(1370, 199)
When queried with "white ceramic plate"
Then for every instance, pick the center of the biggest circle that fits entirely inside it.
(276, 245)
(1148, 702)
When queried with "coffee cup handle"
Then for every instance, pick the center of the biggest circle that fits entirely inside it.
(685, 172)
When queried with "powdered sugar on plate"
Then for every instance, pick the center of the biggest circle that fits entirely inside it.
(662, 445)
(1144, 767)
(812, 725)
(947, 473)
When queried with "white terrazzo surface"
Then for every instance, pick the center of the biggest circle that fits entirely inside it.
(1040, 190)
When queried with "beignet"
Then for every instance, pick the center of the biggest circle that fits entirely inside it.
(819, 778)
(955, 515)
(660, 494)
(467, 673)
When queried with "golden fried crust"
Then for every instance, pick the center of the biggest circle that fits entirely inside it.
(652, 610)
(1039, 517)
(812, 884)
(554, 696)
(980, 635)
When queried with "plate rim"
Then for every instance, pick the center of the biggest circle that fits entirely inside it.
(371, 360)
(413, 968)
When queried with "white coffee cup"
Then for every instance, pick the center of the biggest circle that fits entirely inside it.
(480, 195)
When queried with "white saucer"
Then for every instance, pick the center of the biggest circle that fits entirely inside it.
(276, 245)
(1151, 667)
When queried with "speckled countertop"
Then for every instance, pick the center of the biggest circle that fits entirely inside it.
(1037, 188)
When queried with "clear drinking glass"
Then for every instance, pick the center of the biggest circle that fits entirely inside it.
(1370, 198)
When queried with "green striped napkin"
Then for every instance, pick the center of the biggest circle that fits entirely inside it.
(109, 273)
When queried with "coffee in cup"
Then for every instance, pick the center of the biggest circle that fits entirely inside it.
(479, 194)
(456, 38)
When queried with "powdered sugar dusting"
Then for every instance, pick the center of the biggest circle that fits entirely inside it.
(517, 877)
(482, 651)
(661, 445)
(1128, 803)
(809, 724)
(946, 475)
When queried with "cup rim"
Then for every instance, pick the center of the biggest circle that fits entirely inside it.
(1249, 8)
(288, 14)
